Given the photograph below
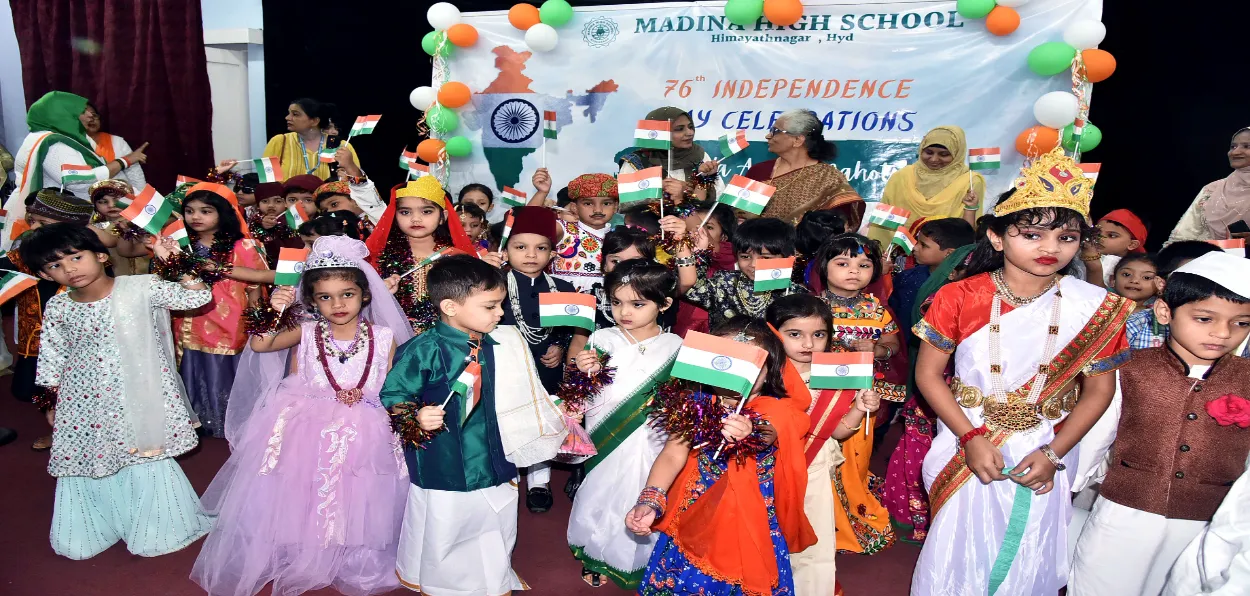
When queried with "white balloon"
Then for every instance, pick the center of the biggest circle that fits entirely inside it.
(541, 37)
(1084, 35)
(1056, 109)
(442, 15)
(423, 97)
(1011, 3)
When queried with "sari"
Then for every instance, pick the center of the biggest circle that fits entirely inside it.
(818, 186)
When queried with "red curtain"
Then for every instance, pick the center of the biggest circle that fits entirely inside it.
(140, 62)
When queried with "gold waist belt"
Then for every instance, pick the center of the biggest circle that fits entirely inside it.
(1016, 414)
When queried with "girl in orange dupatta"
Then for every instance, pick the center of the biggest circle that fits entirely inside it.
(732, 526)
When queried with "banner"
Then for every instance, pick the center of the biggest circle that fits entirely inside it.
(879, 74)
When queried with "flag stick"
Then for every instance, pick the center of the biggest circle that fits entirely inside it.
(445, 401)
(709, 214)
(544, 150)
(738, 410)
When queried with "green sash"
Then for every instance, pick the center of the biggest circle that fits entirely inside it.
(627, 417)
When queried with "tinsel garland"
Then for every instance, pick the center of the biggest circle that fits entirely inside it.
(680, 410)
(580, 388)
(671, 243)
(228, 178)
(681, 209)
(279, 232)
(396, 259)
(404, 423)
(130, 232)
(264, 319)
(45, 397)
(180, 263)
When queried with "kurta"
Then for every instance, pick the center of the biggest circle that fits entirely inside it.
(528, 290)
(579, 255)
(298, 159)
(1217, 562)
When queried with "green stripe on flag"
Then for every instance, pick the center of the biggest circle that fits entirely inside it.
(984, 165)
(712, 377)
(834, 382)
(567, 321)
(737, 203)
(652, 143)
(768, 285)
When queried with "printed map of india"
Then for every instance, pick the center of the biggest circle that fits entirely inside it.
(510, 114)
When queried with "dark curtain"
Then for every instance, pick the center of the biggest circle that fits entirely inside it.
(140, 62)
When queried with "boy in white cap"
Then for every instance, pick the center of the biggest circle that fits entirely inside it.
(1180, 422)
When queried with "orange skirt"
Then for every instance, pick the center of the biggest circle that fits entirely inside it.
(860, 521)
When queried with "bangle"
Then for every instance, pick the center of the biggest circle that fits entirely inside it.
(684, 261)
(888, 353)
(972, 434)
(972, 208)
(861, 423)
(1052, 456)
(1089, 259)
(655, 498)
(190, 282)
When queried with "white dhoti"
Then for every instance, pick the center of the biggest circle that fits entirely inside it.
(814, 568)
(459, 544)
(1126, 551)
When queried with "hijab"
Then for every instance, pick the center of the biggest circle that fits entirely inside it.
(56, 113)
(1229, 200)
(686, 160)
(931, 182)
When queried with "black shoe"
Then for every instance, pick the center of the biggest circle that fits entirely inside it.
(7, 435)
(538, 499)
(575, 481)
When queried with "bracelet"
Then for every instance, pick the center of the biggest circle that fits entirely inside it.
(655, 498)
(190, 282)
(972, 434)
(889, 352)
(861, 423)
(1052, 456)
(973, 208)
(684, 261)
(1090, 259)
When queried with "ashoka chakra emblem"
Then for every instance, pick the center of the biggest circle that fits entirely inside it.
(645, 184)
(514, 120)
(570, 309)
(744, 193)
(722, 363)
(299, 267)
(651, 134)
(150, 210)
(842, 370)
(776, 274)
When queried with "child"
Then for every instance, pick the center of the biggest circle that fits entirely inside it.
(302, 189)
(816, 228)
(728, 294)
(620, 245)
(353, 191)
(481, 196)
(579, 249)
(313, 493)
(334, 223)
(719, 229)
(473, 220)
(212, 337)
(996, 417)
(1135, 279)
(119, 413)
(730, 528)
(805, 326)
(245, 191)
(617, 422)
(1143, 330)
(460, 521)
(1181, 434)
(268, 225)
(415, 227)
(1120, 233)
(130, 256)
(936, 239)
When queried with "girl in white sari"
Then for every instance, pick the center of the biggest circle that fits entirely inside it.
(1010, 421)
(616, 420)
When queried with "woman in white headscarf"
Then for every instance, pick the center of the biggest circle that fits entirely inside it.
(1220, 203)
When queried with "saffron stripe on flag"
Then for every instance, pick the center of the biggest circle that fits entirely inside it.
(1091, 171)
(842, 370)
(178, 232)
(149, 210)
(290, 266)
(773, 274)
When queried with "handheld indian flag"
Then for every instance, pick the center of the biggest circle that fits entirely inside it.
(549, 124)
(187, 180)
(841, 370)
(773, 274)
(296, 216)
(149, 210)
(642, 185)
(904, 240)
(986, 158)
(507, 231)
(327, 155)
(888, 216)
(364, 125)
(268, 169)
(13, 283)
(719, 362)
(417, 170)
(652, 134)
(513, 197)
(747, 194)
(1235, 246)
(733, 143)
(178, 232)
(71, 173)
(290, 266)
(566, 309)
(406, 159)
(1091, 171)
(467, 386)
(123, 202)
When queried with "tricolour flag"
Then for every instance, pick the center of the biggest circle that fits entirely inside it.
(747, 194)
(296, 216)
(178, 232)
(566, 309)
(290, 266)
(507, 231)
(268, 169)
(987, 158)
(888, 216)
(841, 370)
(13, 283)
(652, 134)
(513, 197)
(719, 362)
(733, 143)
(640, 185)
(406, 159)
(903, 239)
(466, 385)
(149, 210)
(1091, 171)
(123, 202)
(1235, 246)
(327, 155)
(549, 124)
(773, 274)
(187, 180)
(364, 125)
(71, 173)
(417, 170)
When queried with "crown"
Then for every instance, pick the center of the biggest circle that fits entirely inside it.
(336, 251)
(425, 187)
(1052, 180)
(326, 259)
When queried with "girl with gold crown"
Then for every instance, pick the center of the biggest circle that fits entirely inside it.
(1032, 347)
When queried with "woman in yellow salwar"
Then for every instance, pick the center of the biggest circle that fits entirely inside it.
(937, 186)
(311, 123)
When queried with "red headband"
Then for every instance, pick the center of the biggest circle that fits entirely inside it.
(1129, 221)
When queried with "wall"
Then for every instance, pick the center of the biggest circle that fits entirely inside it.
(244, 14)
(12, 93)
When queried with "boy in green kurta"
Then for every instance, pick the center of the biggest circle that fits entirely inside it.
(460, 522)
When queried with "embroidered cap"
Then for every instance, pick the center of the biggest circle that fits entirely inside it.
(1228, 270)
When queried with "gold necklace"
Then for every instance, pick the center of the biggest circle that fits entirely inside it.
(1000, 285)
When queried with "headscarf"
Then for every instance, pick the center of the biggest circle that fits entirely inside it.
(687, 160)
(228, 195)
(56, 113)
(1229, 200)
(382, 232)
(592, 185)
(931, 182)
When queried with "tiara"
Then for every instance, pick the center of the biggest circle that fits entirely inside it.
(1052, 180)
(326, 259)
(425, 187)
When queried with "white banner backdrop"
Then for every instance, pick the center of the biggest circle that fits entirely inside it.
(879, 74)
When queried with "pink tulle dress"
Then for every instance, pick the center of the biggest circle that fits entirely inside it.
(313, 494)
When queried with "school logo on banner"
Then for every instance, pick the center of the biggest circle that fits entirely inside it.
(599, 32)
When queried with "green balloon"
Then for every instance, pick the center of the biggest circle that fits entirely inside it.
(744, 12)
(1091, 137)
(459, 147)
(442, 119)
(1051, 58)
(974, 9)
(555, 13)
(431, 41)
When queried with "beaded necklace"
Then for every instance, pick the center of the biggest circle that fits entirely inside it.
(1004, 412)
(533, 336)
(353, 395)
(396, 259)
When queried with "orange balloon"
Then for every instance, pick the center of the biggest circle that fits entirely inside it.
(1099, 64)
(783, 12)
(523, 16)
(462, 35)
(1002, 20)
(430, 150)
(1042, 141)
(453, 94)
